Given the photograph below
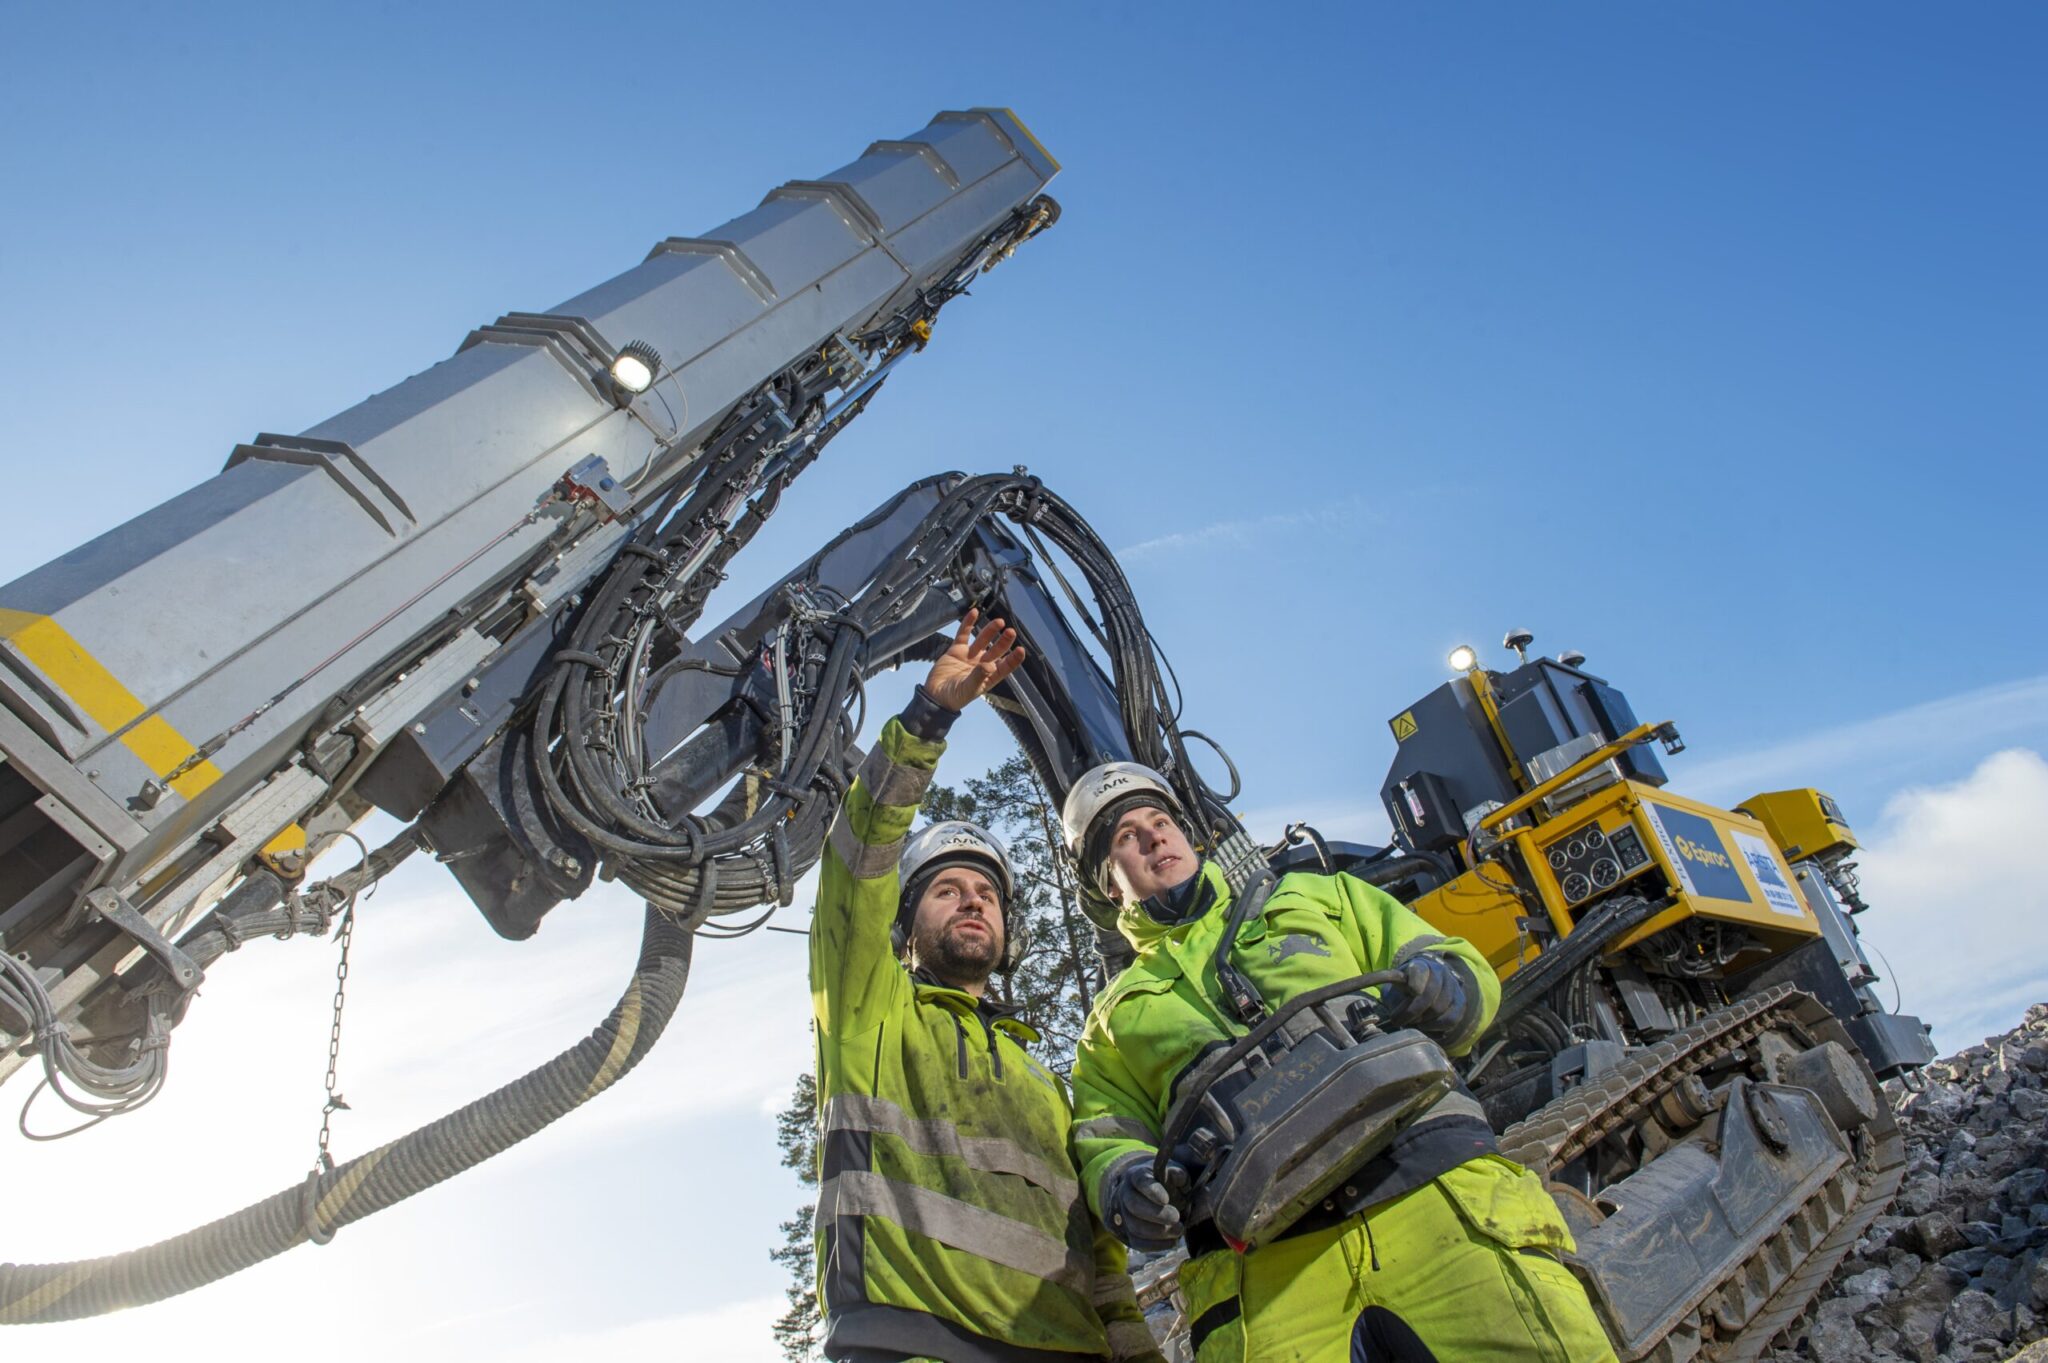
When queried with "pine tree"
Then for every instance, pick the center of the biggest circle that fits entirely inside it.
(796, 1131)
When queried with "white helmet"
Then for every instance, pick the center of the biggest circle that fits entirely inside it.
(1103, 795)
(952, 843)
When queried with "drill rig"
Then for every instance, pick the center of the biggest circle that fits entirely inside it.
(1687, 1035)
(485, 621)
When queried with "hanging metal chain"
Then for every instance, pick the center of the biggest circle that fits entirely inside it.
(335, 1102)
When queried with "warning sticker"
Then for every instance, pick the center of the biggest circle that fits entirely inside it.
(1403, 725)
(1763, 862)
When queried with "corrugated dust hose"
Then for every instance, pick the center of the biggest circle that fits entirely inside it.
(34, 1293)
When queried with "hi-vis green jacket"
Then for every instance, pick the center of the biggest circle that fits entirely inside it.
(950, 1216)
(1167, 1008)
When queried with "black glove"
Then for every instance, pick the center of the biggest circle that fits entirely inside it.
(1139, 1208)
(1433, 997)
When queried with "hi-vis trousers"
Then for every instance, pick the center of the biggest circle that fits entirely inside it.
(1464, 1269)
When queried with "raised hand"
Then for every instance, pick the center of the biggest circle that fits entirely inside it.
(977, 662)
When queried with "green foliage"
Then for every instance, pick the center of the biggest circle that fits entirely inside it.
(796, 1131)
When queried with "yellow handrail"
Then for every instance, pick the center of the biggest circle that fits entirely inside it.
(1642, 733)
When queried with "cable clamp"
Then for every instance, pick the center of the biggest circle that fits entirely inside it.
(108, 905)
(309, 1209)
(785, 884)
(707, 891)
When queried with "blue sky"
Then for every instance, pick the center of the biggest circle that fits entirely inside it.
(1706, 341)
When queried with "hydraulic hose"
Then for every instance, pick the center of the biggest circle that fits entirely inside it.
(1390, 871)
(1587, 939)
(331, 1199)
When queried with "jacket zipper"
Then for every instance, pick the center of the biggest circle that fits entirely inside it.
(995, 1053)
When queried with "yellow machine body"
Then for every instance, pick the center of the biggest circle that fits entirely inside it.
(1804, 823)
(1540, 808)
(1710, 863)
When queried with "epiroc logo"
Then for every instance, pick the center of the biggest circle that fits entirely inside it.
(1704, 855)
(1696, 850)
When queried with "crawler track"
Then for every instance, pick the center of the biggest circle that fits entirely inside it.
(1735, 1319)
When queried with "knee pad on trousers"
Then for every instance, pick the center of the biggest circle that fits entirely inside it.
(1380, 1336)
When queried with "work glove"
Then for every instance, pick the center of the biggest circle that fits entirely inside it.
(1140, 1209)
(1433, 997)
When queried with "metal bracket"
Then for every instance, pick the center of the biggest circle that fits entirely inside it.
(591, 481)
(109, 905)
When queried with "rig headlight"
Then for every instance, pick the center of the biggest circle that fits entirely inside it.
(1464, 658)
(633, 369)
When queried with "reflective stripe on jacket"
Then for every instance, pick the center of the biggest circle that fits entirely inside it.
(950, 1216)
(1166, 1008)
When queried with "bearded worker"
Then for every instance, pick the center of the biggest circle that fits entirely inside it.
(1436, 1249)
(951, 1224)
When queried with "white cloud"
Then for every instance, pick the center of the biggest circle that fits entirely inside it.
(1337, 821)
(737, 1332)
(1968, 724)
(1958, 904)
(1246, 531)
(519, 1253)
(334, 1322)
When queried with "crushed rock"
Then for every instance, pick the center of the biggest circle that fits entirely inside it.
(1957, 1269)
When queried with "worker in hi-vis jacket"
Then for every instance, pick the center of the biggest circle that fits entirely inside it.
(1436, 1249)
(951, 1222)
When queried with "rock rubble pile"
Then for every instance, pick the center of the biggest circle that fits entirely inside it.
(1958, 1268)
